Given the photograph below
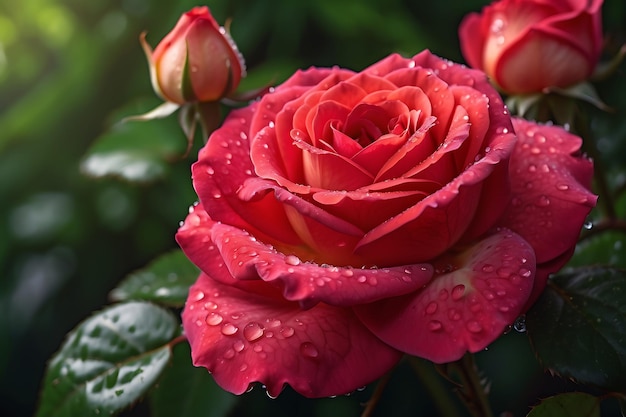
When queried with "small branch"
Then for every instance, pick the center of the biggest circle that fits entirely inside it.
(438, 392)
(471, 390)
(378, 393)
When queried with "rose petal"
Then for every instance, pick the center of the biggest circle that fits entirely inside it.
(518, 67)
(550, 189)
(226, 155)
(244, 337)
(462, 310)
(437, 222)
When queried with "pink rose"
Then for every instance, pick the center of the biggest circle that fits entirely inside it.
(528, 45)
(196, 61)
(348, 218)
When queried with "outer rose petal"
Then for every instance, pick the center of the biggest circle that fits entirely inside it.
(463, 310)
(227, 155)
(550, 188)
(232, 256)
(243, 337)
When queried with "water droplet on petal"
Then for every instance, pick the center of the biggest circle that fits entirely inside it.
(213, 319)
(431, 308)
(292, 260)
(435, 325)
(308, 350)
(229, 329)
(520, 324)
(287, 331)
(199, 295)
(253, 331)
(239, 346)
(458, 292)
(474, 327)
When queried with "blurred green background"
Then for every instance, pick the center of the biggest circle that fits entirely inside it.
(68, 66)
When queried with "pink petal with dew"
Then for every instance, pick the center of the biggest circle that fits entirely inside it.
(550, 186)
(462, 310)
(222, 168)
(437, 222)
(247, 337)
(247, 259)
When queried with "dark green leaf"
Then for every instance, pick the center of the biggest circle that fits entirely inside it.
(136, 151)
(578, 326)
(108, 362)
(166, 280)
(606, 248)
(574, 404)
(187, 391)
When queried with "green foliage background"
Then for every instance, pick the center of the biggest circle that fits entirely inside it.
(68, 66)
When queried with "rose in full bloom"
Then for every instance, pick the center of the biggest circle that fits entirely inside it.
(196, 61)
(346, 219)
(528, 45)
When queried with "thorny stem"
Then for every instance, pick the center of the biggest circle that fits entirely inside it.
(376, 395)
(470, 388)
(437, 390)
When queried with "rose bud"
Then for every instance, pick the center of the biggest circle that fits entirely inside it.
(196, 61)
(526, 46)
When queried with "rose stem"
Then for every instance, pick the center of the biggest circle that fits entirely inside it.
(470, 388)
(438, 392)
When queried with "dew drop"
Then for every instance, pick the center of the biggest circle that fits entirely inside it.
(229, 329)
(287, 332)
(435, 325)
(474, 327)
(431, 308)
(229, 354)
(362, 278)
(292, 260)
(238, 346)
(199, 295)
(213, 319)
(488, 268)
(588, 225)
(253, 331)
(525, 272)
(458, 292)
(443, 294)
(243, 367)
(308, 350)
(520, 324)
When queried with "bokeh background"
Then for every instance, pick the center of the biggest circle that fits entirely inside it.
(67, 67)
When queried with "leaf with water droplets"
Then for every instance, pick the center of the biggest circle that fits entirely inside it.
(166, 280)
(135, 151)
(573, 404)
(187, 391)
(109, 361)
(578, 326)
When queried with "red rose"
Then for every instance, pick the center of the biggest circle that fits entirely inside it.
(196, 61)
(348, 218)
(528, 45)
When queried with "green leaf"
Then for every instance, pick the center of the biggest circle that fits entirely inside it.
(574, 404)
(166, 280)
(136, 151)
(578, 326)
(108, 362)
(187, 391)
(606, 248)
